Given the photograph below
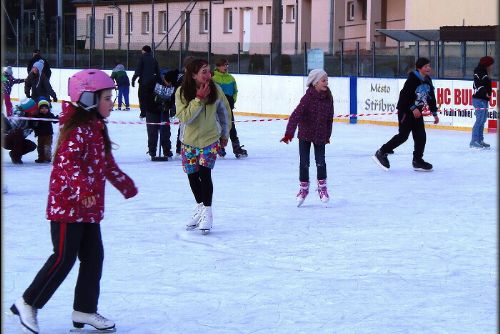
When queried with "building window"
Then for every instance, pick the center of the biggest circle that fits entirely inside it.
(269, 14)
(145, 22)
(260, 15)
(350, 11)
(129, 23)
(363, 9)
(162, 22)
(228, 20)
(204, 22)
(290, 13)
(108, 18)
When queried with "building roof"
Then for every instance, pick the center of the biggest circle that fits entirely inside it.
(445, 33)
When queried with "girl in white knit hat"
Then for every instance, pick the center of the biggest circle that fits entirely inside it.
(314, 117)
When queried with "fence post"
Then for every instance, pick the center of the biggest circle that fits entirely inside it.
(305, 58)
(103, 43)
(239, 60)
(270, 58)
(17, 42)
(399, 59)
(74, 43)
(357, 59)
(342, 58)
(373, 59)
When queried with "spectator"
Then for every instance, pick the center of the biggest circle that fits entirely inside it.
(36, 57)
(37, 84)
(180, 78)
(119, 75)
(148, 74)
(8, 81)
(16, 130)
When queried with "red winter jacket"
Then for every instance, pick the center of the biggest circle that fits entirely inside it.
(80, 170)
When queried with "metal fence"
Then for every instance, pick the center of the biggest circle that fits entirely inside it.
(449, 59)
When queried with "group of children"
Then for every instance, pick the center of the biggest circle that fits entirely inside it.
(83, 161)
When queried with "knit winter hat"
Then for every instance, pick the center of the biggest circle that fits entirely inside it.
(39, 65)
(314, 76)
(28, 106)
(486, 61)
(42, 101)
(8, 70)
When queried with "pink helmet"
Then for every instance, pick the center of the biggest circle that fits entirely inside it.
(88, 81)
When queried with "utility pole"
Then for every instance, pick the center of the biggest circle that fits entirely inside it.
(276, 32)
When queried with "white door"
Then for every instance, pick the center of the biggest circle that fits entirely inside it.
(246, 29)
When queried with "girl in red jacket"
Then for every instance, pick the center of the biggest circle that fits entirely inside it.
(314, 117)
(82, 163)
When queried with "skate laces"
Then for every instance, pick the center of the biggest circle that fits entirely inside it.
(322, 190)
(303, 190)
(99, 318)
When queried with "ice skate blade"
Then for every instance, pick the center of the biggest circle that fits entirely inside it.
(205, 231)
(159, 159)
(92, 330)
(300, 202)
(422, 170)
(191, 227)
(374, 158)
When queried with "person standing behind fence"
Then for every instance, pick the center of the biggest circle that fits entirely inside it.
(314, 117)
(36, 57)
(37, 84)
(148, 73)
(119, 75)
(228, 84)
(480, 99)
(8, 81)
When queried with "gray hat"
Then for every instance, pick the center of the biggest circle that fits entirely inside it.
(39, 65)
(8, 70)
(314, 76)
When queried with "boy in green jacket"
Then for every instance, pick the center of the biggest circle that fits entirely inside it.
(228, 84)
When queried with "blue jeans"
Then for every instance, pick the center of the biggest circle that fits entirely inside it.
(481, 113)
(123, 92)
(305, 156)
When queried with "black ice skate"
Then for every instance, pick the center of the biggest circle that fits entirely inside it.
(381, 160)
(422, 166)
(239, 152)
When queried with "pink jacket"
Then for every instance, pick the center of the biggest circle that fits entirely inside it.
(80, 170)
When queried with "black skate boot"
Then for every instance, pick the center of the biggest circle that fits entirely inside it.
(381, 160)
(422, 166)
(239, 152)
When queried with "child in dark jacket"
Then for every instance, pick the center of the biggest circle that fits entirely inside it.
(44, 131)
(314, 117)
(8, 81)
(119, 75)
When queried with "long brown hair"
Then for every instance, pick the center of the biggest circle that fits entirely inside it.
(81, 117)
(188, 87)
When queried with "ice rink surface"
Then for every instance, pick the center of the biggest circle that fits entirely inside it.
(393, 252)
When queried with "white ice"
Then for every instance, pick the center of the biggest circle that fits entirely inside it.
(393, 252)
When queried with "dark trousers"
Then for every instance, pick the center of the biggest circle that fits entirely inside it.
(71, 240)
(44, 147)
(233, 134)
(202, 186)
(407, 124)
(146, 96)
(319, 156)
(153, 131)
(17, 144)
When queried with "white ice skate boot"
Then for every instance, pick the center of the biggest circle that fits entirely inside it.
(303, 192)
(27, 315)
(93, 319)
(195, 219)
(206, 220)
(322, 191)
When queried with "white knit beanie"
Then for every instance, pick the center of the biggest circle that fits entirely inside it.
(314, 76)
(39, 65)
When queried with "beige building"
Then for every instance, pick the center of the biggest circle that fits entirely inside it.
(247, 24)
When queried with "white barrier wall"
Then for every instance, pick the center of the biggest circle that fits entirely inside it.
(279, 95)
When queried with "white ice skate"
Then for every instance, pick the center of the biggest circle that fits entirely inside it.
(195, 219)
(27, 315)
(206, 220)
(323, 191)
(100, 323)
(303, 192)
